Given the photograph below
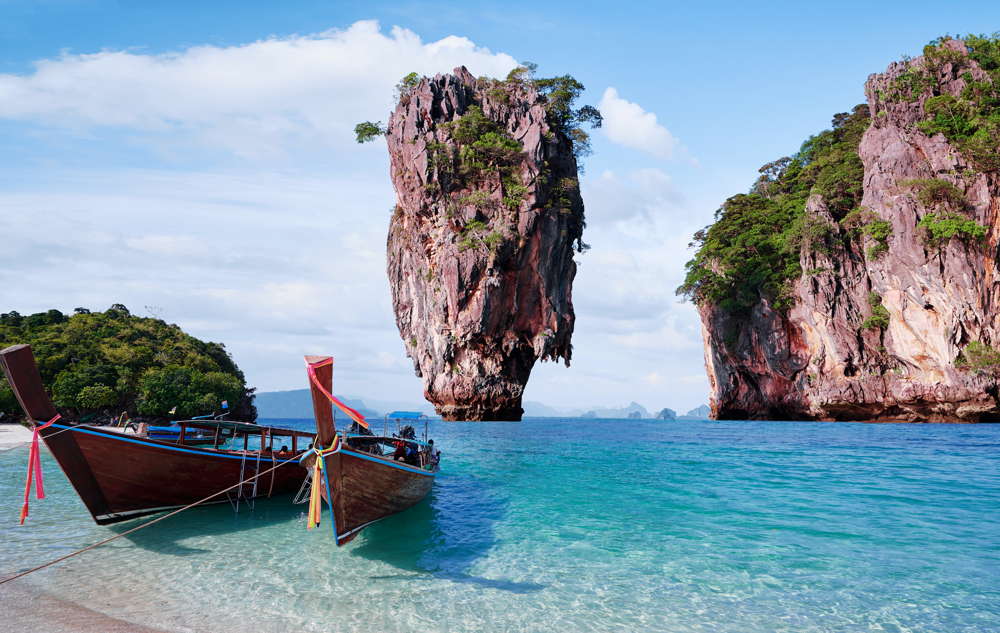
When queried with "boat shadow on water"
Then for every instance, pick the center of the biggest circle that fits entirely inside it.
(443, 536)
(212, 520)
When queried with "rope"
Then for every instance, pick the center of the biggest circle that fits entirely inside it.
(139, 527)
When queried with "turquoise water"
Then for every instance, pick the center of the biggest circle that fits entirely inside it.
(579, 525)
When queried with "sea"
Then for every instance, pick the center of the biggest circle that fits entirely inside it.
(575, 525)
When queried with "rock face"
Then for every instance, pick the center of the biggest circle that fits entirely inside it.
(481, 242)
(818, 360)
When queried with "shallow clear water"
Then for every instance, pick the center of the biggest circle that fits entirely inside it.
(578, 525)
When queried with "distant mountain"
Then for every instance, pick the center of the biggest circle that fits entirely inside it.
(666, 414)
(698, 413)
(297, 403)
(634, 410)
(539, 410)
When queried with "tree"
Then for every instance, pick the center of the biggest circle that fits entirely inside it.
(96, 397)
(91, 361)
(192, 392)
(367, 131)
(560, 94)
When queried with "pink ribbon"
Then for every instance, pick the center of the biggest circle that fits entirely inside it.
(35, 469)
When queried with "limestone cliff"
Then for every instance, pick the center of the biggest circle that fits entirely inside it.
(891, 307)
(481, 241)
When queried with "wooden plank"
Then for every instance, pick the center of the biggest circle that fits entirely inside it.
(322, 407)
(22, 375)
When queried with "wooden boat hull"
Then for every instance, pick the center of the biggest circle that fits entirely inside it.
(367, 488)
(120, 477)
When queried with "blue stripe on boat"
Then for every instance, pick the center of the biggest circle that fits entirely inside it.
(117, 437)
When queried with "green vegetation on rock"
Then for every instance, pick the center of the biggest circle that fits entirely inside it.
(936, 192)
(939, 228)
(367, 131)
(752, 250)
(970, 121)
(980, 358)
(879, 319)
(109, 362)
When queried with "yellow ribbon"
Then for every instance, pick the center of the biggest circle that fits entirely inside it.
(315, 496)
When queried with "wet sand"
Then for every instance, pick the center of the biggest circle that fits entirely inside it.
(26, 608)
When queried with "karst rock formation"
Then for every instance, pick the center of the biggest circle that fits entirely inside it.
(833, 355)
(482, 238)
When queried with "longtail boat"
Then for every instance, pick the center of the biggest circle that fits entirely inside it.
(122, 475)
(362, 477)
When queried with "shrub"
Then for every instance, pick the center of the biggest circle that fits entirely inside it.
(407, 84)
(971, 121)
(879, 319)
(935, 192)
(879, 231)
(367, 131)
(979, 357)
(939, 228)
(473, 235)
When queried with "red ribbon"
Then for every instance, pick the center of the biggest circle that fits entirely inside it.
(35, 469)
(351, 413)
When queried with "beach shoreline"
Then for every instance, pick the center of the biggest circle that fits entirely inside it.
(13, 435)
(27, 608)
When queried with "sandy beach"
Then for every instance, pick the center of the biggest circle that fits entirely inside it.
(13, 435)
(25, 608)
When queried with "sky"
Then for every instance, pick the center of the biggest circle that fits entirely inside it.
(195, 161)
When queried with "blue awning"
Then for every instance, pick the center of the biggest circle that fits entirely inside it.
(405, 415)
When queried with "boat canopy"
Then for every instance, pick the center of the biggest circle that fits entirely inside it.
(405, 415)
(241, 427)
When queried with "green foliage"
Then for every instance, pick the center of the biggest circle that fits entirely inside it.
(514, 193)
(367, 131)
(879, 231)
(935, 192)
(561, 94)
(484, 146)
(970, 121)
(479, 199)
(190, 390)
(8, 402)
(407, 84)
(980, 358)
(474, 235)
(752, 250)
(939, 228)
(879, 319)
(809, 231)
(96, 397)
(94, 361)
(863, 221)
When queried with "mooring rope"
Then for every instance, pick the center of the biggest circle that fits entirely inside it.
(144, 525)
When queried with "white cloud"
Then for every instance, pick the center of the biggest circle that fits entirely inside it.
(256, 99)
(628, 124)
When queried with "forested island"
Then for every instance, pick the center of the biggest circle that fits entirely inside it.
(98, 365)
(857, 279)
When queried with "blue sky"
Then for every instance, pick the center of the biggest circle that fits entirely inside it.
(151, 153)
